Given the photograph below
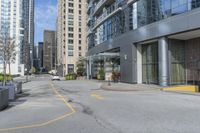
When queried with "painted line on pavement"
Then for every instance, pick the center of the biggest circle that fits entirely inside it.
(97, 96)
(49, 121)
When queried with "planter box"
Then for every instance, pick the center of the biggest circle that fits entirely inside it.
(3, 98)
(18, 87)
(11, 91)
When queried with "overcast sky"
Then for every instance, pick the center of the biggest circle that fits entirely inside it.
(45, 17)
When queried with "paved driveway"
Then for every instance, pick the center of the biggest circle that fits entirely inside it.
(81, 107)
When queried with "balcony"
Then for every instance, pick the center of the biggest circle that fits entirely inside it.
(100, 5)
(89, 7)
(105, 15)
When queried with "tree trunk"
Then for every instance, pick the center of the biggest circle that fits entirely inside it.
(4, 73)
(9, 68)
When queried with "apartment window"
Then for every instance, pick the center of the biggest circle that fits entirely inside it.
(70, 53)
(71, 5)
(70, 35)
(79, 12)
(80, 6)
(79, 47)
(70, 47)
(70, 68)
(79, 0)
(70, 41)
(79, 35)
(79, 18)
(70, 17)
(79, 29)
(79, 23)
(80, 54)
(71, 11)
(71, 29)
(71, 23)
(79, 41)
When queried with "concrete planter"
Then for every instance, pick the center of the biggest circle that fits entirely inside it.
(11, 90)
(18, 87)
(3, 98)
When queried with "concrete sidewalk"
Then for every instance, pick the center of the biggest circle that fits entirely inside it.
(129, 87)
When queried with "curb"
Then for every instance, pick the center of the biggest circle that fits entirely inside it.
(107, 88)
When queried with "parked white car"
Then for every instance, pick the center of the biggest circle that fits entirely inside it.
(55, 77)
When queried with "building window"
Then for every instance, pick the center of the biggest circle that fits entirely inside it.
(71, 11)
(70, 47)
(71, 23)
(71, 29)
(70, 17)
(71, 5)
(70, 41)
(70, 53)
(70, 68)
(80, 54)
(70, 35)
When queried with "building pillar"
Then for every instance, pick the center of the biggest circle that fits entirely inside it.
(139, 64)
(89, 71)
(163, 61)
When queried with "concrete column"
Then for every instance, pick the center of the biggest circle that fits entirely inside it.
(89, 71)
(139, 64)
(163, 61)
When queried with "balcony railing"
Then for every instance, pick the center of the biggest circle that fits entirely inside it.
(105, 15)
(98, 5)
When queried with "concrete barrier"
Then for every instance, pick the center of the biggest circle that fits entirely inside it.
(3, 98)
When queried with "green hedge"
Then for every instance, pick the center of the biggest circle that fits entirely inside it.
(8, 77)
(71, 77)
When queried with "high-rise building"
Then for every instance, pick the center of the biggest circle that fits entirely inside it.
(38, 56)
(71, 33)
(49, 50)
(144, 41)
(16, 19)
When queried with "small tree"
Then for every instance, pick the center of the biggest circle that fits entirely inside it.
(7, 50)
(81, 67)
(10, 53)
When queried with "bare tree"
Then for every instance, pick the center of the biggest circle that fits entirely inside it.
(7, 51)
(10, 53)
(4, 37)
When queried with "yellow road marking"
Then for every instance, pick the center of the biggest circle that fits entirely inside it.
(97, 96)
(50, 121)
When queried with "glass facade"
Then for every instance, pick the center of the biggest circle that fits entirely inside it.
(148, 11)
(177, 57)
(150, 63)
(110, 28)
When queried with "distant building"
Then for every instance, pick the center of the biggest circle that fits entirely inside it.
(38, 56)
(71, 34)
(49, 50)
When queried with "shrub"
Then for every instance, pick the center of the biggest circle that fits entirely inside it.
(71, 76)
(8, 77)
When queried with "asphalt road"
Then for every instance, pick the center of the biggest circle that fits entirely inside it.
(81, 107)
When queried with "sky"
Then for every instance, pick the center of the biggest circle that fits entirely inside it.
(45, 17)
